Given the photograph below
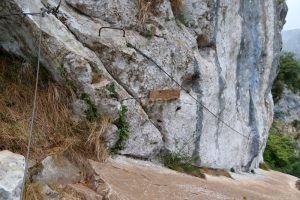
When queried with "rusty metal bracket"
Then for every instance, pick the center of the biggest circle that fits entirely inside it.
(107, 27)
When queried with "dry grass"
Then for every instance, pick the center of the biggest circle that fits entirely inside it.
(95, 137)
(72, 196)
(34, 192)
(215, 172)
(176, 6)
(146, 8)
(56, 129)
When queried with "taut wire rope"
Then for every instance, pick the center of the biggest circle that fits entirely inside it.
(184, 89)
(33, 108)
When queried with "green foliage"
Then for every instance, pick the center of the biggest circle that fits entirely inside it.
(289, 75)
(63, 72)
(91, 112)
(123, 131)
(296, 123)
(281, 152)
(264, 166)
(147, 34)
(181, 163)
(277, 89)
(294, 168)
(183, 19)
(112, 91)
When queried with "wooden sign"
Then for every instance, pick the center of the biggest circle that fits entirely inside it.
(164, 95)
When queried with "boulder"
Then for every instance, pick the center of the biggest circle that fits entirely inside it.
(59, 170)
(12, 168)
(287, 108)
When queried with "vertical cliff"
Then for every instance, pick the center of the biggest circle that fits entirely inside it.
(223, 53)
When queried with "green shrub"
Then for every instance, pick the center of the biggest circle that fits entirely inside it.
(91, 112)
(264, 166)
(147, 34)
(183, 19)
(112, 91)
(123, 131)
(289, 75)
(281, 152)
(294, 168)
(296, 123)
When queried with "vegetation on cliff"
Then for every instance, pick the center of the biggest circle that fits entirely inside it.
(288, 76)
(57, 130)
(281, 152)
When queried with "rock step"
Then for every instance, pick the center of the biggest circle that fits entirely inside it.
(83, 192)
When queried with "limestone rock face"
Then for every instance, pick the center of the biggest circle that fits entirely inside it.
(12, 168)
(223, 53)
(287, 108)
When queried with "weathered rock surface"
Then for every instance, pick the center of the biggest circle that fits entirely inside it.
(84, 192)
(57, 169)
(11, 175)
(143, 180)
(287, 108)
(223, 52)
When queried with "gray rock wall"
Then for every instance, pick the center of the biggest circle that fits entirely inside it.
(287, 108)
(223, 52)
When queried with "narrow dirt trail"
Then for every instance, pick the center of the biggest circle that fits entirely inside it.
(136, 180)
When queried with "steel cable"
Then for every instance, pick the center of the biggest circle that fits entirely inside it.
(184, 89)
(33, 109)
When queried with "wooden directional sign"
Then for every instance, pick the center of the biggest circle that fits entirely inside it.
(164, 95)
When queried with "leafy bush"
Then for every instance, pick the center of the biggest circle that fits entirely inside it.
(281, 152)
(147, 34)
(289, 75)
(295, 168)
(123, 131)
(296, 123)
(264, 166)
(91, 112)
(112, 91)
